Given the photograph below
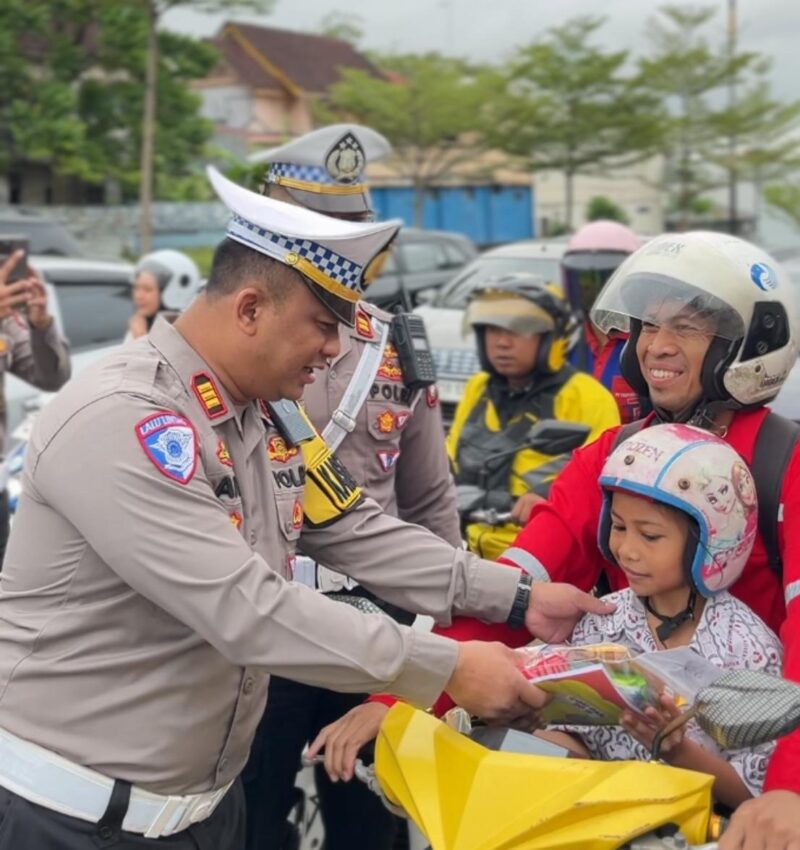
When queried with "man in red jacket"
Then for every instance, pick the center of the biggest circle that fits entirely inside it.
(711, 343)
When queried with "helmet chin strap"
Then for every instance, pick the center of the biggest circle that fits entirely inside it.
(669, 625)
(703, 414)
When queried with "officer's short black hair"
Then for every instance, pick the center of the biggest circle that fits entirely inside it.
(235, 265)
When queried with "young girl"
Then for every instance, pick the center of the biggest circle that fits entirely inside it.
(679, 554)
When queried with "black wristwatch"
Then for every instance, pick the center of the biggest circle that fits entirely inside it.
(519, 607)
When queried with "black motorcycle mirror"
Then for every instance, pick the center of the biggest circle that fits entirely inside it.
(742, 708)
(556, 437)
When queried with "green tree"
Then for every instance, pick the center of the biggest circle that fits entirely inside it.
(601, 207)
(153, 10)
(713, 139)
(570, 106)
(785, 198)
(430, 108)
(73, 98)
(343, 25)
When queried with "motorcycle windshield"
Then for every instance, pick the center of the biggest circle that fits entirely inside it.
(466, 797)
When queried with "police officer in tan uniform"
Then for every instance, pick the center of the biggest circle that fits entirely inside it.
(147, 593)
(391, 439)
(30, 348)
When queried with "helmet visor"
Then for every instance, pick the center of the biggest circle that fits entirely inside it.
(585, 274)
(664, 301)
(511, 312)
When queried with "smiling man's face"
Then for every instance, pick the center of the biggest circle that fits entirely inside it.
(671, 349)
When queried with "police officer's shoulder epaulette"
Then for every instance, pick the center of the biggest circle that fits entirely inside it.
(365, 327)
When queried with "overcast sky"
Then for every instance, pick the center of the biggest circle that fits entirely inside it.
(491, 30)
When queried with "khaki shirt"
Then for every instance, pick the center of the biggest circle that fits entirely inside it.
(397, 450)
(40, 357)
(142, 605)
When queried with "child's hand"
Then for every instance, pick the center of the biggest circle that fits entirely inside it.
(658, 718)
(346, 736)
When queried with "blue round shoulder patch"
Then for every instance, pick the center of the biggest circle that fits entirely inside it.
(763, 276)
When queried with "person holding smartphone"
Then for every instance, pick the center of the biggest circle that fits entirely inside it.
(30, 345)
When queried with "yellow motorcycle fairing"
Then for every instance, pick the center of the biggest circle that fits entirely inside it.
(465, 797)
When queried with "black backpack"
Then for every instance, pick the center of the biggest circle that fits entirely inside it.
(775, 444)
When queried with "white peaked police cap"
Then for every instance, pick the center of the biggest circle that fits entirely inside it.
(340, 258)
(323, 170)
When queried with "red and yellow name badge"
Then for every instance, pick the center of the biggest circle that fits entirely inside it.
(279, 451)
(364, 326)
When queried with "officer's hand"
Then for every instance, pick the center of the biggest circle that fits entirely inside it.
(12, 295)
(768, 822)
(523, 507)
(488, 682)
(137, 325)
(38, 317)
(554, 609)
(343, 738)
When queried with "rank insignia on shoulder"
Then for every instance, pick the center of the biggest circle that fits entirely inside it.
(223, 455)
(385, 422)
(279, 451)
(432, 395)
(364, 325)
(388, 459)
(208, 395)
(170, 442)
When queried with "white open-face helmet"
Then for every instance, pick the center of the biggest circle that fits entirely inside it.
(736, 286)
(177, 275)
(700, 475)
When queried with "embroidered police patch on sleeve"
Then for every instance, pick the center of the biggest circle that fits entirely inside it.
(170, 442)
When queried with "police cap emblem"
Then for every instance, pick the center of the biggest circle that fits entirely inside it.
(346, 160)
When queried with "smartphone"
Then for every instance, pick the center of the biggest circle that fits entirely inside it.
(10, 244)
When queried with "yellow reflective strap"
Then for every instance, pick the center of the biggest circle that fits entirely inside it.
(330, 491)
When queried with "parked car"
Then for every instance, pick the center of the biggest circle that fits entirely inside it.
(454, 349)
(90, 301)
(47, 237)
(420, 259)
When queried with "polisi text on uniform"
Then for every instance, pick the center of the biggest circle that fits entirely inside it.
(391, 392)
(291, 478)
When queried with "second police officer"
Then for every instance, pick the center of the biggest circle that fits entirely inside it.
(390, 437)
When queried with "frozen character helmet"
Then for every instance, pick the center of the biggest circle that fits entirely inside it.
(177, 276)
(699, 474)
(593, 254)
(741, 290)
(527, 305)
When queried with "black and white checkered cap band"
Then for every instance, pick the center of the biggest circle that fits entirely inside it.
(306, 173)
(331, 264)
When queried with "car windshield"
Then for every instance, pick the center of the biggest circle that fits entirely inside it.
(457, 292)
(47, 238)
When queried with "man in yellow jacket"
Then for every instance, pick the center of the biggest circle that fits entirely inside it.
(520, 323)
